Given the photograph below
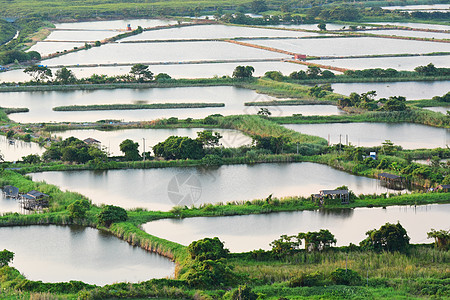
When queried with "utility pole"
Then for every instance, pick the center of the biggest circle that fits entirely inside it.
(143, 150)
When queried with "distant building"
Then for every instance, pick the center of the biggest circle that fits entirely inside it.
(299, 56)
(92, 142)
(129, 27)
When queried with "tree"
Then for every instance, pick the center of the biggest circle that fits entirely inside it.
(207, 249)
(243, 72)
(441, 238)
(322, 26)
(317, 240)
(208, 138)
(285, 245)
(428, 70)
(65, 76)
(38, 72)
(162, 77)
(274, 75)
(6, 257)
(31, 159)
(130, 149)
(395, 103)
(264, 112)
(273, 143)
(176, 147)
(141, 73)
(313, 71)
(112, 214)
(345, 277)
(244, 292)
(258, 6)
(390, 237)
(78, 209)
(387, 147)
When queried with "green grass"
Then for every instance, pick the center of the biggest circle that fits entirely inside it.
(135, 106)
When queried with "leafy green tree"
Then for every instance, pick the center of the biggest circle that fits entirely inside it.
(264, 112)
(258, 6)
(441, 238)
(285, 245)
(327, 74)
(395, 104)
(243, 72)
(78, 209)
(31, 159)
(322, 26)
(209, 138)
(388, 147)
(273, 143)
(162, 77)
(317, 240)
(176, 147)
(313, 71)
(207, 249)
(243, 292)
(112, 214)
(141, 73)
(65, 76)
(298, 75)
(428, 70)
(208, 274)
(6, 257)
(130, 149)
(390, 237)
(38, 72)
(274, 75)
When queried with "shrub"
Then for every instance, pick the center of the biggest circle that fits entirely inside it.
(346, 277)
(112, 214)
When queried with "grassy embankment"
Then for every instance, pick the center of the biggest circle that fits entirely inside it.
(135, 106)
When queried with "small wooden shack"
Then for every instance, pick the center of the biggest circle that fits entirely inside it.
(343, 195)
(10, 191)
(92, 142)
(34, 200)
(392, 180)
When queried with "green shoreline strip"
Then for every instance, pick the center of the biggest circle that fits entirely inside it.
(136, 106)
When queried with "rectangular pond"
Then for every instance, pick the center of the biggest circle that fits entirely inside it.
(40, 104)
(410, 33)
(407, 135)
(112, 139)
(405, 63)
(80, 35)
(161, 189)
(441, 109)
(46, 48)
(412, 90)
(162, 52)
(252, 232)
(13, 149)
(348, 46)
(416, 25)
(115, 24)
(64, 253)
(214, 32)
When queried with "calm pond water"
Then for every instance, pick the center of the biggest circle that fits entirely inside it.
(115, 24)
(353, 46)
(162, 52)
(412, 90)
(418, 7)
(246, 233)
(416, 25)
(15, 150)
(112, 139)
(329, 26)
(407, 63)
(441, 109)
(8, 205)
(45, 48)
(41, 104)
(149, 188)
(214, 32)
(208, 70)
(409, 136)
(63, 253)
(421, 34)
(81, 35)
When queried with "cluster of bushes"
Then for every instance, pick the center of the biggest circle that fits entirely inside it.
(367, 101)
(444, 98)
(73, 150)
(431, 70)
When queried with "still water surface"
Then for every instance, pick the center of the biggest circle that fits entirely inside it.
(412, 90)
(246, 233)
(149, 188)
(63, 253)
(13, 150)
(409, 136)
(40, 104)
